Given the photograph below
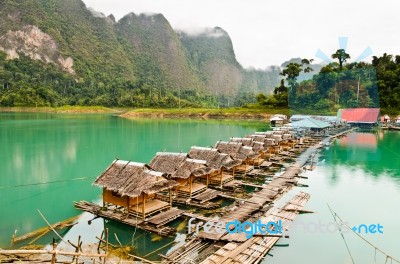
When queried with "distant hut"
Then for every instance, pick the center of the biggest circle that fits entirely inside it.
(183, 170)
(238, 152)
(278, 120)
(134, 186)
(385, 119)
(219, 162)
(397, 120)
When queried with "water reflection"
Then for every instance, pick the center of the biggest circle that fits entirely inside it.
(359, 140)
(376, 152)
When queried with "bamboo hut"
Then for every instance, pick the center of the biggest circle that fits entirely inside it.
(238, 152)
(397, 120)
(134, 186)
(183, 170)
(257, 147)
(220, 163)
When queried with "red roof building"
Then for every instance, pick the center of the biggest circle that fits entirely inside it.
(360, 115)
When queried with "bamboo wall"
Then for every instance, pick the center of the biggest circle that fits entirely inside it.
(109, 197)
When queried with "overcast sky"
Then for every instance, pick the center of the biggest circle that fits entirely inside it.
(268, 32)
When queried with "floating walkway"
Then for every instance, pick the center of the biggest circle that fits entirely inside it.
(237, 248)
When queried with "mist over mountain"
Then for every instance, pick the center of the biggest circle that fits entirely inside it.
(55, 52)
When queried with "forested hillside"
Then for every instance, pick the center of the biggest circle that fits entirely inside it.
(339, 85)
(56, 52)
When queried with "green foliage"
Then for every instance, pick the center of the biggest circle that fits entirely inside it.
(347, 86)
(341, 56)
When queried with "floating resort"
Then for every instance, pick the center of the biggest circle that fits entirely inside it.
(151, 196)
(251, 172)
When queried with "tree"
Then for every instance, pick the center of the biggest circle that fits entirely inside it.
(292, 72)
(341, 56)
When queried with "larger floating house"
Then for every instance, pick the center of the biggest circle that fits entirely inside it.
(360, 116)
(134, 186)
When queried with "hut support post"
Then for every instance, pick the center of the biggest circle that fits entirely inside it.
(233, 172)
(207, 180)
(104, 203)
(170, 197)
(144, 207)
(128, 200)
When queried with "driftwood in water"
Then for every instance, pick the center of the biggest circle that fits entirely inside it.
(44, 230)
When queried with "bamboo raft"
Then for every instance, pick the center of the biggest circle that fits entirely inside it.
(157, 228)
(237, 248)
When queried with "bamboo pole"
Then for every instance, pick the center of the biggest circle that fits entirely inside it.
(106, 237)
(141, 259)
(53, 256)
(51, 227)
(49, 252)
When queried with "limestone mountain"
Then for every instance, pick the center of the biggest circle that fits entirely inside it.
(211, 52)
(64, 33)
(56, 52)
(157, 52)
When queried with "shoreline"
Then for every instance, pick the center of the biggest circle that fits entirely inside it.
(60, 110)
(203, 113)
(129, 113)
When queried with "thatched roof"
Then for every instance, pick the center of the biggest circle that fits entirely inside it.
(246, 152)
(258, 138)
(258, 146)
(247, 141)
(267, 134)
(132, 179)
(230, 148)
(232, 163)
(236, 150)
(215, 159)
(190, 167)
(167, 162)
(250, 142)
(269, 142)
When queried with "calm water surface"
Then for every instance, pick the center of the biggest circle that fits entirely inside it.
(41, 148)
(358, 176)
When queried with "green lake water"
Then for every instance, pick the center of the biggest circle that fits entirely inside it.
(358, 176)
(40, 148)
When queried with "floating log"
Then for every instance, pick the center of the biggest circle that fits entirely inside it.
(44, 230)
